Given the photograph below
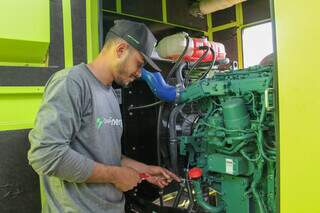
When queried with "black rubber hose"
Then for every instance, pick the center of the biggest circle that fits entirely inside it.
(197, 62)
(158, 148)
(211, 64)
(179, 59)
(179, 75)
(173, 141)
(158, 134)
(178, 197)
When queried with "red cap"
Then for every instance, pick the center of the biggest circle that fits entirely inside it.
(195, 173)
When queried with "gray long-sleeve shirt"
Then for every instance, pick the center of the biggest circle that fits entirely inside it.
(79, 122)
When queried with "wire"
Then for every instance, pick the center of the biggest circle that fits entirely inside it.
(187, 78)
(145, 106)
(175, 66)
(211, 65)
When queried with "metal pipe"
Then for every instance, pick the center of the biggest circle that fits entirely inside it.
(200, 200)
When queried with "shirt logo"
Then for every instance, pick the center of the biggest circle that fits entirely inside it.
(108, 121)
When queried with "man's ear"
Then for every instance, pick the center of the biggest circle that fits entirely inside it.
(121, 48)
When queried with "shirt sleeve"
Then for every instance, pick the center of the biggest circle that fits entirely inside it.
(57, 121)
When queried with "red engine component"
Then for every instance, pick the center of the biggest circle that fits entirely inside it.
(220, 53)
(171, 47)
(195, 173)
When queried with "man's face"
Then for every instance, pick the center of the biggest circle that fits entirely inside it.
(129, 67)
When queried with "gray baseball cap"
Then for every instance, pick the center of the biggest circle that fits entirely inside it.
(138, 36)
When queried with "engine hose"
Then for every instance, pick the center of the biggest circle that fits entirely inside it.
(158, 148)
(256, 179)
(179, 75)
(158, 86)
(178, 197)
(233, 149)
(260, 146)
(159, 134)
(190, 195)
(173, 141)
(201, 202)
(260, 136)
(245, 155)
(211, 64)
(179, 59)
(197, 62)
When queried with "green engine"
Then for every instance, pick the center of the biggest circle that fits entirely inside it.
(230, 145)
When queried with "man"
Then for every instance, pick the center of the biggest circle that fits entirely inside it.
(75, 144)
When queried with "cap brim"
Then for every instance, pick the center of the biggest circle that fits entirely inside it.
(151, 63)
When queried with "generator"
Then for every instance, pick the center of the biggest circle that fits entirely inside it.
(216, 131)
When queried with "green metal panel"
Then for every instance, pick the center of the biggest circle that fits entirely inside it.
(235, 188)
(227, 164)
(67, 33)
(25, 31)
(19, 106)
(164, 11)
(92, 11)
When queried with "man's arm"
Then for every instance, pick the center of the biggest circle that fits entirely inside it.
(156, 175)
(124, 178)
(138, 166)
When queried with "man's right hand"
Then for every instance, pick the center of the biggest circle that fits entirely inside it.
(125, 178)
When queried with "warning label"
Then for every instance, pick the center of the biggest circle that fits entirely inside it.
(229, 166)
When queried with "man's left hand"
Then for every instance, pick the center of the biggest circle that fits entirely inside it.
(160, 176)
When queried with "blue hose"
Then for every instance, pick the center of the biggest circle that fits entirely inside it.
(158, 86)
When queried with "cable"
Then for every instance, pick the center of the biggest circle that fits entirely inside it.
(211, 65)
(145, 106)
(187, 78)
(179, 59)
(158, 148)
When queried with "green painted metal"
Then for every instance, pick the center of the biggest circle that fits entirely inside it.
(92, 27)
(164, 11)
(255, 23)
(200, 199)
(118, 6)
(235, 114)
(209, 24)
(20, 64)
(226, 164)
(225, 26)
(6, 90)
(19, 106)
(24, 32)
(234, 193)
(233, 139)
(153, 20)
(67, 33)
(239, 18)
(248, 81)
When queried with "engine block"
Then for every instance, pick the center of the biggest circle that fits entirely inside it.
(232, 140)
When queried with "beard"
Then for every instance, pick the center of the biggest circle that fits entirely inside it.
(122, 71)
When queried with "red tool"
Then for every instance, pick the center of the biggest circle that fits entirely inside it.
(144, 176)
